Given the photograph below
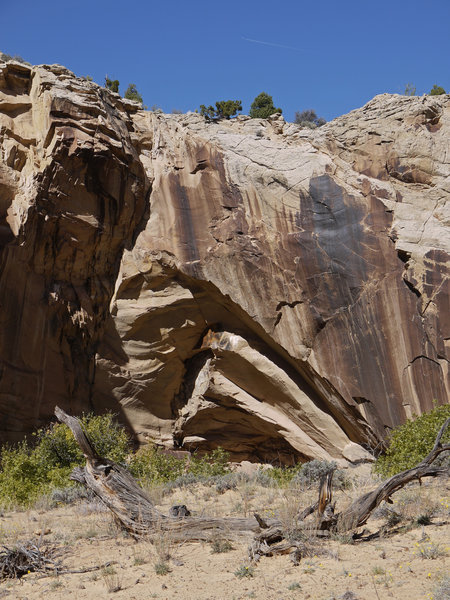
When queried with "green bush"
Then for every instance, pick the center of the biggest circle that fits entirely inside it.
(225, 109)
(437, 90)
(150, 465)
(30, 470)
(132, 93)
(112, 84)
(213, 464)
(282, 476)
(262, 107)
(56, 446)
(20, 477)
(411, 442)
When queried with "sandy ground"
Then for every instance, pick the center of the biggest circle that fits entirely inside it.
(392, 566)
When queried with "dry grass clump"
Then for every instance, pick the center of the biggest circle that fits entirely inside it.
(162, 545)
(411, 507)
(162, 567)
(219, 545)
(111, 579)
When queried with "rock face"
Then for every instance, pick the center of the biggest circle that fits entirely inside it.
(281, 292)
(72, 197)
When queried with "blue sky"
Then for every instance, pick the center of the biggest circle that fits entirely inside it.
(330, 55)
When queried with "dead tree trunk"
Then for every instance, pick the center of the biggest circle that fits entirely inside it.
(131, 506)
(135, 512)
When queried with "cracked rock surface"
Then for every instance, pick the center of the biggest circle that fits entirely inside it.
(280, 292)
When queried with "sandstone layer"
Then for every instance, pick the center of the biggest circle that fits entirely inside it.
(281, 292)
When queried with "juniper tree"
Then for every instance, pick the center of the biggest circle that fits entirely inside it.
(437, 90)
(263, 106)
(132, 93)
(225, 109)
(112, 84)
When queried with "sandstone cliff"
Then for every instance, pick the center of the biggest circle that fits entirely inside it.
(278, 291)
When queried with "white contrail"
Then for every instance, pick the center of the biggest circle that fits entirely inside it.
(271, 44)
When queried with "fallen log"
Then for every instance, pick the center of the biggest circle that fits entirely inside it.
(132, 508)
(135, 512)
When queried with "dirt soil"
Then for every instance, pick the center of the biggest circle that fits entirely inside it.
(406, 565)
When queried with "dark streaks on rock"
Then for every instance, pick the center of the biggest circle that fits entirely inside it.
(280, 292)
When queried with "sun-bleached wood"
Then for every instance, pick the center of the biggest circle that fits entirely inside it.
(135, 512)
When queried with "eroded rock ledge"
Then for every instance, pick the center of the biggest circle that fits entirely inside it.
(277, 291)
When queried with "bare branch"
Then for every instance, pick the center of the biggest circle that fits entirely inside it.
(78, 433)
(361, 509)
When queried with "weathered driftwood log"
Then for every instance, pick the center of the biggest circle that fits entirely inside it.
(131, 506)
(135, 512)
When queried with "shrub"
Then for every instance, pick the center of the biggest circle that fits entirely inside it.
(219, 546)
(112, 84)
(68, 495)
(111, 579)
(263, 478)
(213, 464)
(309, 118)
(411, 442)
(162, 568)
(244, 571)
(149, 465)
(437, 90)
(57, 447)
(132, 93)
(283, 476)
(308, 474)
(229, 481)
(294, 586)
(184, 481)
(28, 471)
(21, 476)
(442, 588)
(430, 550)
(262, 107)
(225, 109)
(312, 472)
(16, 57)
